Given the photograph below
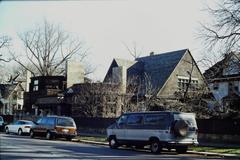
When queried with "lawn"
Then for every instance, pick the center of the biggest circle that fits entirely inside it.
(91, 138)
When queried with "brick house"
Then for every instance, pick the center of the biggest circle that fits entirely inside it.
(45, 96)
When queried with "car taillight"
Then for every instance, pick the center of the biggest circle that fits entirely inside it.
(27, 127)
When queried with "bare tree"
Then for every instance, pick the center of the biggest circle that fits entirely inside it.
(224, 32)
(134, 50)
(47, 49)
(95, 99)
(4, 43)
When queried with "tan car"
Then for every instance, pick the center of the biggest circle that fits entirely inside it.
(54, 127)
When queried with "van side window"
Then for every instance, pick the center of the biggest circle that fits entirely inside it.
(158, 120)
(134, 119)
(44, 120)
(50, 120)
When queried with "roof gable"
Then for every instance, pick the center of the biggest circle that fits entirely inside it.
(117, 62)
(159, 67)
(218, 70)
(6, 90)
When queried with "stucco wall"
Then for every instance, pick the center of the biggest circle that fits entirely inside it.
(221, 92)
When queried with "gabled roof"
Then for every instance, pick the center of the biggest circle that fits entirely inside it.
(216, 71)
(6, 90)
(117, 62)
(124, 62)
(160, 66)
(157, 67)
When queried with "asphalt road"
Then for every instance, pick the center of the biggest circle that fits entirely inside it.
(23, 147)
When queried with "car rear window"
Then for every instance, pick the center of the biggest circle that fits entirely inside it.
(65, 122)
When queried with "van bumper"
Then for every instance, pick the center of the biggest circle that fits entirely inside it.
(182, 143)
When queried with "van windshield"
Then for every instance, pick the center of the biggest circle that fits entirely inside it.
(65, 122)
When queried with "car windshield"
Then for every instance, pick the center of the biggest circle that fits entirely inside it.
(65, 122)
(30, 122)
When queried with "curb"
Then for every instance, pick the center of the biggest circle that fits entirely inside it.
(194, 152)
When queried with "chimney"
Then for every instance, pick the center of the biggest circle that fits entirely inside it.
(151, 53)
(119, 76)
(74, 73)
(28, 80)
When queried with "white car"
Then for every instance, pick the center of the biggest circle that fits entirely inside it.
(20, 127)
(1, 123)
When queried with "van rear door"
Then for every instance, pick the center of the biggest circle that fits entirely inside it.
(189, 119)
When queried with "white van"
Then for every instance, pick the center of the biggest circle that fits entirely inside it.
(171, 130)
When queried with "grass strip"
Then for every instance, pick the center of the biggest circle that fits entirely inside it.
(91, 138)
(216, 150)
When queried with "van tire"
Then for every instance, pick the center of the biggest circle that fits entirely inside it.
(113, 144)
(182, 149)
(180, 128)
(155, 146)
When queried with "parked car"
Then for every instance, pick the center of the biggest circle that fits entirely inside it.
(1, 123)
(171, 130)
(54, 127)
(20, 127)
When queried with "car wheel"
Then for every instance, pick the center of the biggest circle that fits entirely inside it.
(181, 150)
(113, 144)
(155, 146)
(69, 138)
(31, 134)
(7, 130)
(48, 135)
(20, 132)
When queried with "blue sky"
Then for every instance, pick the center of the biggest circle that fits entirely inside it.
(104, 25)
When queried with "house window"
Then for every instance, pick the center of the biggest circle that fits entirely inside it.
(35, 85)
(184, 81)
(215, 86)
